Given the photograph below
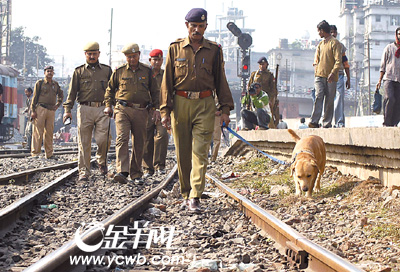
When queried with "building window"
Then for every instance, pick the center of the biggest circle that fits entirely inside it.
(377, 43)
(377, 18)
(360, 46)
(394, 20)
(361, 21)
(377, 69)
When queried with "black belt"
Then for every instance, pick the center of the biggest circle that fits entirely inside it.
(92, 104)
(45, 106)
(132, 105)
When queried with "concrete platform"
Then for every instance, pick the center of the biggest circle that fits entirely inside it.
(362, 152)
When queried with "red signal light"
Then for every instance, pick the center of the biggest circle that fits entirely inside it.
(245, 67)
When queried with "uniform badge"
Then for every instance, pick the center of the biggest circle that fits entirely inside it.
(203, 17)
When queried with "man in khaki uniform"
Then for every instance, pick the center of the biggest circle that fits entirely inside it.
(194, 69)
(27, 111)
(267, 81)
(47, 97)
(132, 90)
(155, 149)
(88, 86)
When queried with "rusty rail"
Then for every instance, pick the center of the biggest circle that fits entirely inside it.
(299, 250)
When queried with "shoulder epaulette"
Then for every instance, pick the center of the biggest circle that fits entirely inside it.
(215, 43)
(121, 66)
(178, 40)
(145, 65)
(80, 66)
(102, 64)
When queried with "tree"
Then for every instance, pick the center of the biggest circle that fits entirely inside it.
(296, 45)
(33, 52)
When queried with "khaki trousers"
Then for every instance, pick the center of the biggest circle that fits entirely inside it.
(192, 123)
(128, 120)
(216, 138)
(155, 148)
(90, 118)
(43, 127)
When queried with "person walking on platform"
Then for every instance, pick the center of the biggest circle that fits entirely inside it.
(327, 61)
(302, 124)
(282, 124)
(27, 111)
(156, 145)
(390, 73)
(132, 90)
(194, 69)
(88, 85)
(256, 111)
(267, 81)
(47, 97)
(339, 99)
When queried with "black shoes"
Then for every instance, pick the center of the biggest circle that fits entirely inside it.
(83, 177)
(313, 125)
(121, 178)
(103, 169)
(194, 205)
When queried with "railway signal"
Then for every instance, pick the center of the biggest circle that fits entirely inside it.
(244, 42)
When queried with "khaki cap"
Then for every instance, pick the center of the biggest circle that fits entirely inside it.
(91, 46)
(130, 48)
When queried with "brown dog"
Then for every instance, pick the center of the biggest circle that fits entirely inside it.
(308, 163)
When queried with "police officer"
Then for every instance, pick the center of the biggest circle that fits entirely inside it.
(155, 149)
(194, 69)
(47, 97)
(133, 91)
(87, 87)
(27, 111)
(267, 81)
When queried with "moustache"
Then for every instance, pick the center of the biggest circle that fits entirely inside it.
(196, 33)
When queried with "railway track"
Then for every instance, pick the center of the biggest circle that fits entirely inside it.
(290, 252)
(22, 153)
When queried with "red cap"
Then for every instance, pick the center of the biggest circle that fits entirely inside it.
(156, 53)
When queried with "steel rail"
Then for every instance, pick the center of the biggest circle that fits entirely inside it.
(21, 153)
(25, 175)
(59, 260)
(299, 249)
(10, 214)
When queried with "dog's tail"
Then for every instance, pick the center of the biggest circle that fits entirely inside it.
(294, 135)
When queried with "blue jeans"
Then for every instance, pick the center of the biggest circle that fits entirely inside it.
(324, 99)
(259, 118)
(339, 102)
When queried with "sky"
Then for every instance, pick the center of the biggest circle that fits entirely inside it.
(64, 27)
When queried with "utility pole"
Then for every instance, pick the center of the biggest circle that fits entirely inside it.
(37, 61)
(110, 36)
(355, 90)
(287, 88)
(369, 78)
(24, 63)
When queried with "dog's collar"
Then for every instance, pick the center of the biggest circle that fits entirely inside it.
(301, 151)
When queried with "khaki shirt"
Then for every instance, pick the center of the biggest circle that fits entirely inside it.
(198, 71)
(132, 86)
(328, 58)
(266, 79)
(159, 78)
(50, 94)
(88, 84)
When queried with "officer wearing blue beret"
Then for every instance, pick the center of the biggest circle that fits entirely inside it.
(194, 73)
